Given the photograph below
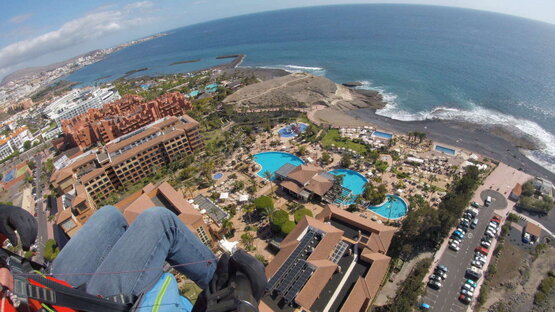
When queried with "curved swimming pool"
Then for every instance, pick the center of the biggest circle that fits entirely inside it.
(292, 130)
(352, 181)
(272, 161)
(394, 207)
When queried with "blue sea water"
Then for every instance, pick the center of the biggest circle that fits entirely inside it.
(429, 62)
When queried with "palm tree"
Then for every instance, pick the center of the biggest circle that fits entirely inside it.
(270, 177)
(227, 226)
(249, 209)
(268, 212)
(421, 137)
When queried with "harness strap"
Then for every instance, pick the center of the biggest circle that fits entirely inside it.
(61, 295)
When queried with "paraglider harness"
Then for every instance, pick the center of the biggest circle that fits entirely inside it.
(37, 292)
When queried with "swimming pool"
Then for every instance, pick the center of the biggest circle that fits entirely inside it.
(272, 161)
(383, 135)
(445, 150)
(211, 88)
(292, 130)
(353, 181)
(393, 208)
(194, 93)
(217, 176)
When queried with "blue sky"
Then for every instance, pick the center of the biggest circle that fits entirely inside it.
(35, 32)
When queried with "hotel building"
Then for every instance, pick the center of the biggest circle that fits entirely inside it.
(113, 120)
(334, 262)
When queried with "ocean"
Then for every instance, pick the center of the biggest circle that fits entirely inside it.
(429, 62)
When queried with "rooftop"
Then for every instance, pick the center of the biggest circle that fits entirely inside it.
(214, 211)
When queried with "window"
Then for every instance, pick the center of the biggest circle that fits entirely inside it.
(68, 225)
(202, 235)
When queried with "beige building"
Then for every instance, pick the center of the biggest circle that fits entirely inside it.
(92, 177)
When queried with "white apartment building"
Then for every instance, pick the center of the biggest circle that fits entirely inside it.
(5, 149)
(14, 142)
(78, 101)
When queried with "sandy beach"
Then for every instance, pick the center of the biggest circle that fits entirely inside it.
(465, 136)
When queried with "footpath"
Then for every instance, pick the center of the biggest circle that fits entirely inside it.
(389, 290)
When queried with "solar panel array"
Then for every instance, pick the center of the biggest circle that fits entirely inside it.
(299, 283)
(339, 251)
(293, 265)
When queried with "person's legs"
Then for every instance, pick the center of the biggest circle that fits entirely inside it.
(135, 263)
(87, 249)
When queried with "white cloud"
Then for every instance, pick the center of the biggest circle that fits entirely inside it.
(18, 19)
(91, 26)
(139, 5)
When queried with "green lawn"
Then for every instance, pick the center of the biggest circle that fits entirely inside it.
(333, 137)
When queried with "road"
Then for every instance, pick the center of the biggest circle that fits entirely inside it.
(446, 298)
(42, 221)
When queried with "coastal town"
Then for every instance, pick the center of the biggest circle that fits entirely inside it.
(18, 88)
(345, 216)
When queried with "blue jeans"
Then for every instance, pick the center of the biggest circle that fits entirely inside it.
(114, 258)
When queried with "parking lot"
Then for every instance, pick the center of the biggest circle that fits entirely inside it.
(446, 298)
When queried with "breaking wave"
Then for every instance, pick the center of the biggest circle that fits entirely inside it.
(317, 71)
(476, 115)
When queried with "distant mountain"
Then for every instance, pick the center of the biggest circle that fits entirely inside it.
(29, 71)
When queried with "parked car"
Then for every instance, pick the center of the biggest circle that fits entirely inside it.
(454, 247)
(471, 283)
(487, 202)
(526, 238)
(482, 250)
(473, 211)
(442, 268)
(468, 287)
(473, 273)
(458, 233)
(477, 263)
(494, 224)
(496, 219)
(467, 292)
(479, 256)
(490, 234)
(465, 299)
(485, 244)
(441, 274)
(434, 284)
(474, 223)
(475, 205)
(434, 277)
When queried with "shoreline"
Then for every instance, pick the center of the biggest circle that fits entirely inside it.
(458, 135)
(461, 135)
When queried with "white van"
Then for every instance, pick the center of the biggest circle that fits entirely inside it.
(487, 202)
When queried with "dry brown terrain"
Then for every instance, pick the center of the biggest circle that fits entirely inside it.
(301, 90)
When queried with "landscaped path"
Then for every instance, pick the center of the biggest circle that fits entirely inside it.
(389, 290)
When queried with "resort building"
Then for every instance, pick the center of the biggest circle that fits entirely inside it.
(73, 210)
(306, 182)
(534, 231)
(130, 158)
(78, 102)
(334, 262)
(14, 141)
(166, 196)
(102, 125)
